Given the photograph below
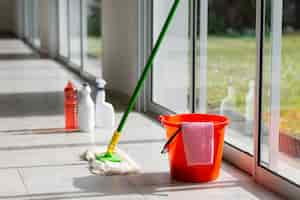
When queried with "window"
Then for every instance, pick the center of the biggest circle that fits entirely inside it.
(75, 32)
(92, 37)
(80, 35)
(219, 58)
(238, 58)
(31, 22)
(172, 66)
(280, 130)
(36, 40)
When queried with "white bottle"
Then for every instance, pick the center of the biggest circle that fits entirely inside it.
(250, 101)
(228, 103)
(105, 115)
(86, 110)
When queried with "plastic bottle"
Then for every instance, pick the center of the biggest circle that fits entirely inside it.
(228, 104)
(105, 115)
(86, 110)
(70, 106)
(250, 101)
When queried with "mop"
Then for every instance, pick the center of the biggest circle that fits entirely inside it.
(113, 161)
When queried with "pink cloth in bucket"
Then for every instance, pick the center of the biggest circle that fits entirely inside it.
(198, 141)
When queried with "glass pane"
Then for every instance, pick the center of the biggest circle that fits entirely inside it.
(35, 24)
(29, 20)
(92, 37)
(226, 66)
(63, 28)
(75, 32)
(280, 146)
(26, 18)
(171, 71)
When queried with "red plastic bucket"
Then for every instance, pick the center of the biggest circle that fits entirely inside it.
(178, 164)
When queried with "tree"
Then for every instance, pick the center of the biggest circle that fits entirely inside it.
(94, 18)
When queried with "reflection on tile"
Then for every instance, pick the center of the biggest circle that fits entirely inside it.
(31, 94)
(11, 183)
(76, 182)
(10, 46)
(41, 157)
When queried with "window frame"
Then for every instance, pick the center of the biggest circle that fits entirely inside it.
(250, 163)
(150, 105)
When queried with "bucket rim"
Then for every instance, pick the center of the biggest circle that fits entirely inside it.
(163, 120)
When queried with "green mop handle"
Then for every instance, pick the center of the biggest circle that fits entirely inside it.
(143, 77)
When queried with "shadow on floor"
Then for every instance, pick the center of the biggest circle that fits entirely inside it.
(31, 104)
(161, 186)
(93, 186)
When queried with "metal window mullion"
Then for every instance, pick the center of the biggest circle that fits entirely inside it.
(84, 32)
(260, 33)
(68, 31)
(192, 46)
(148, 47)
(23, 20)
(144, 46)
(276, 29)
(31, 21)
(81, 35)
(58, 26)
(203, 55)
(34, 22)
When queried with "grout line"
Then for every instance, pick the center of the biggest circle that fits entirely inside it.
(84, 144)
(80, 163)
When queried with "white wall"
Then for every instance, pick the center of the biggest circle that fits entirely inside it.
(7, 16)
(120, 44)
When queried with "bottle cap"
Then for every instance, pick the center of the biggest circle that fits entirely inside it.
(86, 87)
(100, 84)
(70, 86)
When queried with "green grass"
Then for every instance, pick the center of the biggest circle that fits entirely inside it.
(230, 60)
(234, 60)
(94, 46)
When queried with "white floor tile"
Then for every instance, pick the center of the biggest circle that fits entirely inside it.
(11, 184)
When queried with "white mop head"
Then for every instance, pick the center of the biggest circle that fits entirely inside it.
(127, 166)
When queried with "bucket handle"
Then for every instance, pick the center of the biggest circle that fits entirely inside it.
(170, 140)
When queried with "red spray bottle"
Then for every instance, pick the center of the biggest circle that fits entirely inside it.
(71, 106)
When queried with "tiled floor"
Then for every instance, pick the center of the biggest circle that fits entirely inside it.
(37, 165)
